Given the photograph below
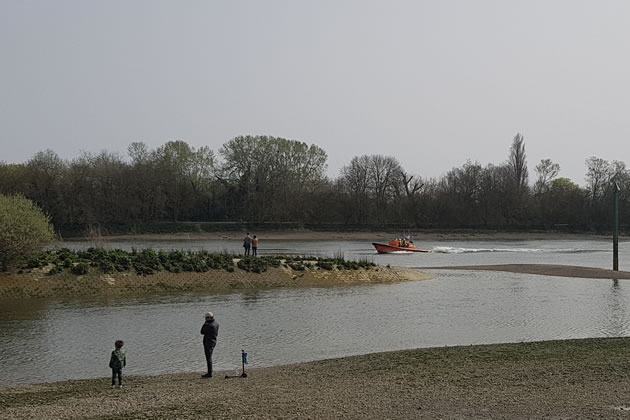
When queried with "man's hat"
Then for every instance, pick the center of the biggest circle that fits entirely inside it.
(209, 315)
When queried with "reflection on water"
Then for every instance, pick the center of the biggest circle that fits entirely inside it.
(53, 340)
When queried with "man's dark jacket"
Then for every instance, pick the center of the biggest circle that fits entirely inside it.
(210, 329)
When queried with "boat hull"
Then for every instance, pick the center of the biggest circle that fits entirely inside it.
(390, 249)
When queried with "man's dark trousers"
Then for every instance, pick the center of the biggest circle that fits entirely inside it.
(208, 349)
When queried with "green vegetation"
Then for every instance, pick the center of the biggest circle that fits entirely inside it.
(148, 261)
(24, 228)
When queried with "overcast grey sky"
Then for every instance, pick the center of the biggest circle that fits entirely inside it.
(432, 83)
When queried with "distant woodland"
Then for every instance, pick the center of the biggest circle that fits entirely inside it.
(266, 180)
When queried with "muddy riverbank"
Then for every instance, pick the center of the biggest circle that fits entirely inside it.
(37, 283)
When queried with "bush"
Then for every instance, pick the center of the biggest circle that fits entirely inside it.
(253, 264)
(297, 266)
(24, 229)
(55, 270)
(326, 265)
(147, 261)
(80, 269)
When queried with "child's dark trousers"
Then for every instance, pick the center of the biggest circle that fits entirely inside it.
(114, 373)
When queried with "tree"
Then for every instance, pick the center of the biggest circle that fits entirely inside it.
(412, 186)
(46, 175)
(384, 172)
(517, 163)
(139, 153)
(462, 187)
(271, 176)
(567, 203)
(356, 185)
(24, 228)
(597, 176)
(184, 173)
(547, 171)
(495, 186)
(100, 188)
(14, 178)
(147, 193)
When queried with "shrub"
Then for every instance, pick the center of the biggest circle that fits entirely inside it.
(147, 261)
(55, 270)
(24, 228)
(297, 266)
(326, 265)
(253, 264)
(80, 269)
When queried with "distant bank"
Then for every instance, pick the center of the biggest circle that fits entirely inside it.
(369, 236)
(219, 229)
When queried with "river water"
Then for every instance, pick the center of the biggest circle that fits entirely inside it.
(50, 340)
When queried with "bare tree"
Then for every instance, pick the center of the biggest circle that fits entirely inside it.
(412, 186)
(547, 171)
(383, 170)
(356, 182)
(597, 176)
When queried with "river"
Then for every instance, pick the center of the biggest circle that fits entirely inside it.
(51, 340)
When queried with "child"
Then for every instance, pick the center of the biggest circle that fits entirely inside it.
(254, 246)
(117, 362)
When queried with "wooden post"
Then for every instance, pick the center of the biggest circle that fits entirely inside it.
(616, 228)
(243, 359)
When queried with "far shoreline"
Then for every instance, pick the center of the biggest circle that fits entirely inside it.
(308, 235)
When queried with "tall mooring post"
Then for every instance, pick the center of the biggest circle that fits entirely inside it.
(616, 227)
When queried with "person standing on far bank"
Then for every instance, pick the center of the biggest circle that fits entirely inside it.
(247, 243)
(255, 246)
(210, 330)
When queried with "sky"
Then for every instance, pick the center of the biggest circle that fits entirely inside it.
(431, 83)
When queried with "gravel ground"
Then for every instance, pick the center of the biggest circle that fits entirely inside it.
(554, 379)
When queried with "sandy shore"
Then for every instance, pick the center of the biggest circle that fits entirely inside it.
(554, 379)
(359, 236)
(546, 270)
(37, 284)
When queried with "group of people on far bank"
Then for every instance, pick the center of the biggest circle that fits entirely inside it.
(250, 243)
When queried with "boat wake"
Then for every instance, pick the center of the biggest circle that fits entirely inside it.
(454, 250)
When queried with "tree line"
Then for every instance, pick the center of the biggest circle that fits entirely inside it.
(262, 179)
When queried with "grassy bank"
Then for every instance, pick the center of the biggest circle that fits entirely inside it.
(97, 272)
(148, 261)
(558, 379)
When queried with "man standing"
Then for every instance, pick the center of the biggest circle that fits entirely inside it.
(210, 330)
(247, 243)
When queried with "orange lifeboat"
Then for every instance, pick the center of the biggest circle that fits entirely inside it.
(397, 246)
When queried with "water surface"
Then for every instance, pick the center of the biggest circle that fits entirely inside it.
(49, 340)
